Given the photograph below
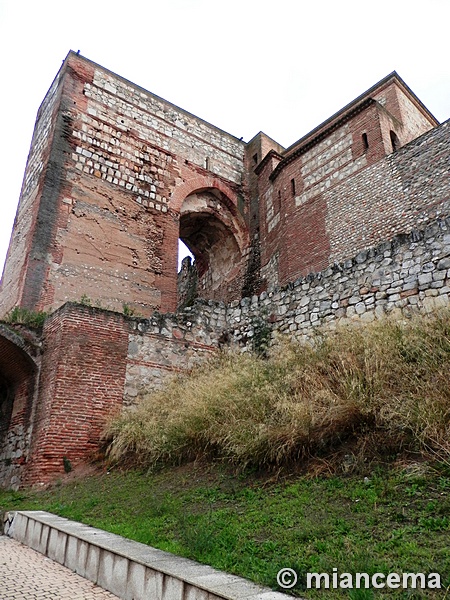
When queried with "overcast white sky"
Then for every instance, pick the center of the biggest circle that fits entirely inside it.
(282, 67)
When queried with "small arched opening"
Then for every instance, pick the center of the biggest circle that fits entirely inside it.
(395, 142)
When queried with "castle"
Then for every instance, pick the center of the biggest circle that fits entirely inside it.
(350, 222)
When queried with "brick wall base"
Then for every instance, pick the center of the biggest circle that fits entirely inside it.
(81, 384)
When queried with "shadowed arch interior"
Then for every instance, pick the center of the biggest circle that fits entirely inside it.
(17, 378)
(209, 227)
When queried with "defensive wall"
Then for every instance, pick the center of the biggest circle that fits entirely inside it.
(116, 175)
(349, 224)
(94, 362)
(100, 213)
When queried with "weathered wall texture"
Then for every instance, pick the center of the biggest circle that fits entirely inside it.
(109, 171)
(333, 197)
(187, 282)
(81, 384)
(19, 368)
(409, 274)
(407, 189)
(26, 269)
(94, 362)
(166, 344)
(116, 176)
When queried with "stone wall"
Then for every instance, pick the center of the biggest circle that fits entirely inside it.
(116, 175)
(128, 117)
(405, 190)
(187, 283)
(409, 274)
(337, 197)
(19, 366)
(164, 345)
(94, 362)
(110, 168)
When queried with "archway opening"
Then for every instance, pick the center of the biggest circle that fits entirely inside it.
(208, 230)
(18, 373)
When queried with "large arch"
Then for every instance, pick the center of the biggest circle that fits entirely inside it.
(213, 228)
(18, 376)
(194, 182)
(214, 232)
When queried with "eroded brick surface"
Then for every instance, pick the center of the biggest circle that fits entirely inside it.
(349, 223)
(100, 209)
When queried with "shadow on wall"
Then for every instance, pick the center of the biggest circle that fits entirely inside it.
(209, 228)
(18, 378)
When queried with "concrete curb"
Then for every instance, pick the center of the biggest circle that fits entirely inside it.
(128, 569)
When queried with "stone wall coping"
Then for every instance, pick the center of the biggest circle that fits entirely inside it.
(22, 525)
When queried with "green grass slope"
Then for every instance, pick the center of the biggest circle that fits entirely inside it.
(390, 520)
(332, 455)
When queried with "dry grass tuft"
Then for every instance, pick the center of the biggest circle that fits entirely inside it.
(386, 382)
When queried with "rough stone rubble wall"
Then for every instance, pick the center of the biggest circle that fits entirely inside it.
(407, 275)
(93, 357)
(168, 344)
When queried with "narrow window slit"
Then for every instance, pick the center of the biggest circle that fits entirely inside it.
(394, 141)
(365, 141)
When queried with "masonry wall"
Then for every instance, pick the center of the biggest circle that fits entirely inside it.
(19, 367)
(164, 345)
(407, 275)
(408, 189)
(348, 212)
(405, 115)
(141, 147)
(25, 268)
(81, 384)
(110, 167)
(293, 203)
(95, 362)
(115, 175)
